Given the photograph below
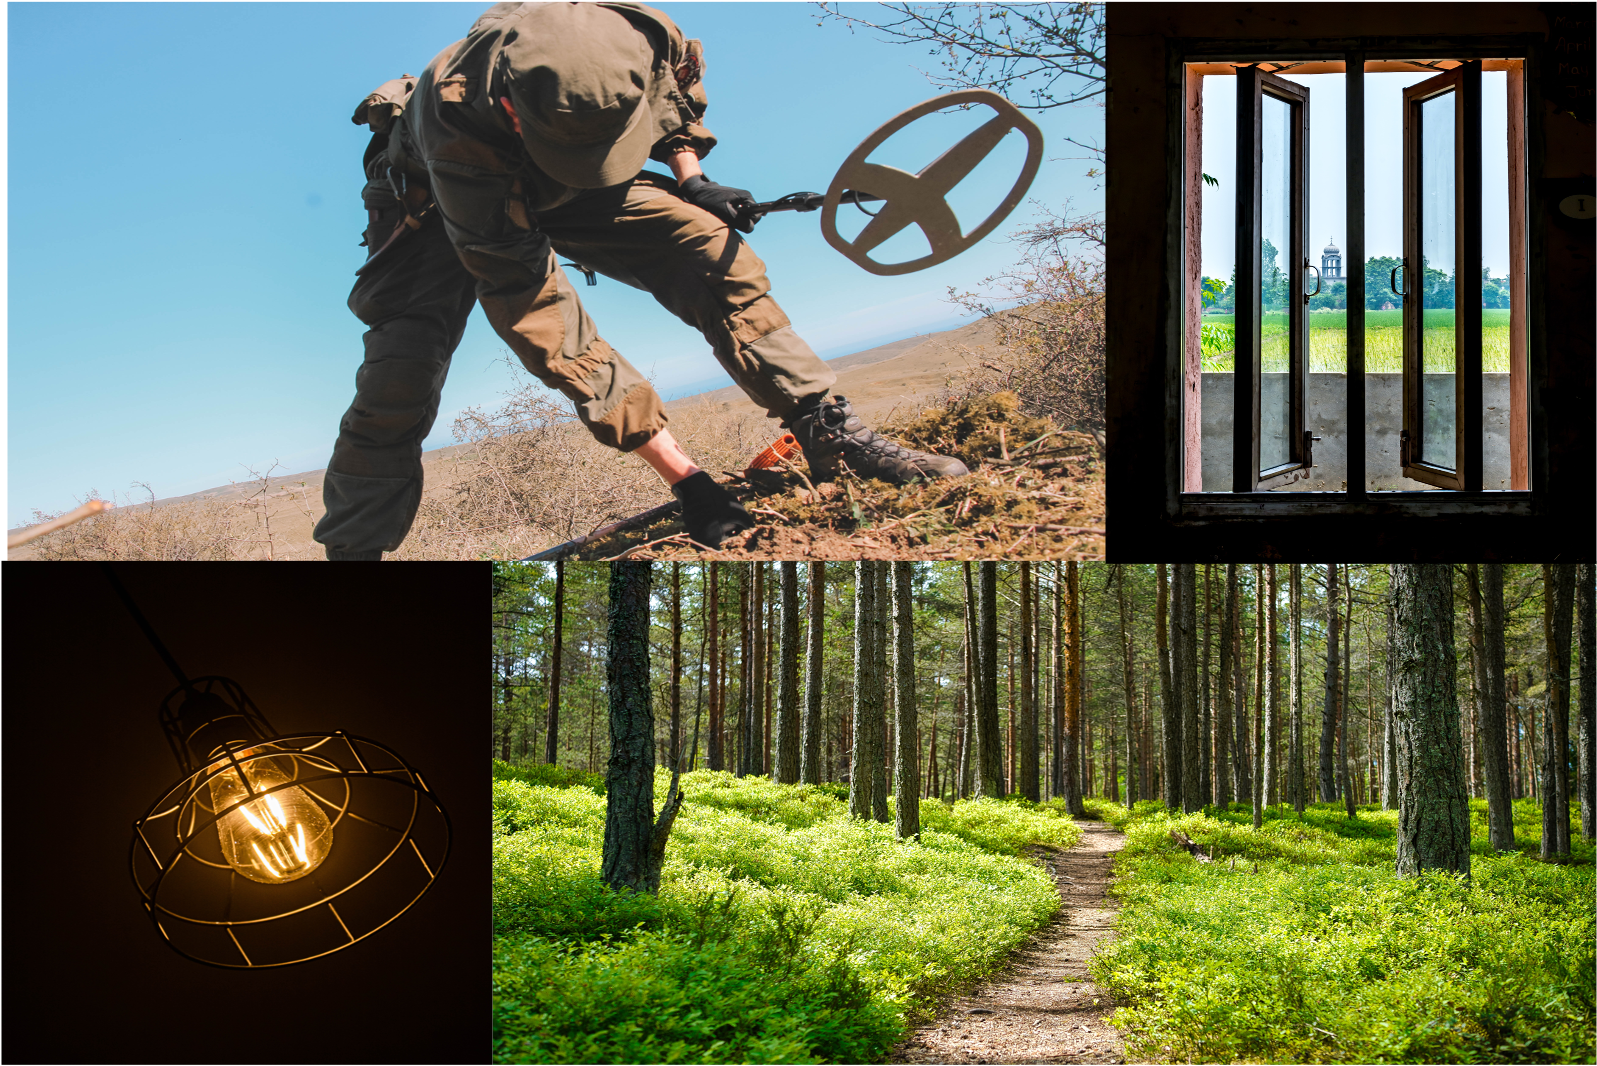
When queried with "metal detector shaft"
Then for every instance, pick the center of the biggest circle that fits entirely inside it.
(808, 201)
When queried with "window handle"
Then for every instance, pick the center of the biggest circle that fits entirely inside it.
(1317, 280)
(1404, 442)
(1308, 446)
(1393, 279)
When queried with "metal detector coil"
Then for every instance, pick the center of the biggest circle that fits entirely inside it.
(921, 199)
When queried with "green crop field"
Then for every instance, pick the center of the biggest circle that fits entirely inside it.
(1383, 342)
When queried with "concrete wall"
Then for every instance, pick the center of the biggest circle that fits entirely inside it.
(1383, 399)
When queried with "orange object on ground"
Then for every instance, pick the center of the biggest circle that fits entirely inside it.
(784, 448)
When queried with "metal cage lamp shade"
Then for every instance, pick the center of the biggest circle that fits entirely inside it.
(275, 848)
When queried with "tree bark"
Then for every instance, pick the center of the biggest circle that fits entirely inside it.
(551, 741)
(1056, 729)
(1587, 623)
(906, 782)
(676, 666)
(866, 736)
(1224, 725)
(1272, 709)
(1494, 728)
(1206, 696)
(1128, 667)
(881, 607)
(1256, 727)
(1433, 811)
(634, 842)
(785, 767)
(1294, 771)
(1341, 701)
(1187, 691)
(1242, 735)
(1170, 707)
(1029, 785)
(1557, 615)
(810, 760)
(715, 757)
(1328, 713)
(1072, 724)
(989, 754)
(1389, 789)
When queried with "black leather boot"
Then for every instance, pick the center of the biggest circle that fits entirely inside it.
(831, 434)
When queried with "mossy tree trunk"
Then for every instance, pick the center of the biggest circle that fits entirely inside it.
(1433, 809)
(634, 842)
(906, 779)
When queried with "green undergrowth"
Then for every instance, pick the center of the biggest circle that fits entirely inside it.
(1300, 944)
(784, 931)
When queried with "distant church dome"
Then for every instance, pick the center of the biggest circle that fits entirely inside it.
(1331, 262)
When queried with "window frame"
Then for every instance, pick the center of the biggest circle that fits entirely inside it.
(1253, 84)
(1182, 500)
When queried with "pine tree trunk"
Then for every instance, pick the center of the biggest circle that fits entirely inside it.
(1328, 714)
(881, 607)
(715, 757)
(1129, 669)
(1072, 723)
(1242, 735)
(1341, 703)
(1272, 710)
(1224, 718)
(989, 752)
(814, 661)
(634, 843)
(1494, 729)
(1587, 623)
(1294, 772)
(906, 783)
(1256, 726)
(1028, 785)
(675, 752)
(1433, 812)
(1170, 707)
(1558, 596)
(1389, 789)
(1186, 633)
(1056, 725)
(860, 777)
(1205, 699)
(785, 767)
(552, 740)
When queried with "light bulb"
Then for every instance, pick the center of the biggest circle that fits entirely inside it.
(279, 837)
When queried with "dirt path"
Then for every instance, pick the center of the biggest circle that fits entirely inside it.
(1043, 1007)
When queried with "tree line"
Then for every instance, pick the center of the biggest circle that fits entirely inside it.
(1195, 685)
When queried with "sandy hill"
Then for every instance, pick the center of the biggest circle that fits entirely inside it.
(877, 381)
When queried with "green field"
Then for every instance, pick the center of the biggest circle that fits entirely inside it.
(1383, 342)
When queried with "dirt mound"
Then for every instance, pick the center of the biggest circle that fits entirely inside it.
(1034, 491)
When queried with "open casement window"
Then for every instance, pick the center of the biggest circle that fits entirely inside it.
(1271, 448)
(1442, 385)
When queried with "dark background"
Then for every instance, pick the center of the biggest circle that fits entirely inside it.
(395, 653)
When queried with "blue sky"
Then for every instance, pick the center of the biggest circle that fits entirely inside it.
(184, 218)
(1383, 167)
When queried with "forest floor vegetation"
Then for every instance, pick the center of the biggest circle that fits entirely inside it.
(784, 931)
(1298, 942)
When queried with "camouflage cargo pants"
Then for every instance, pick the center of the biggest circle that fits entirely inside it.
(416, 296)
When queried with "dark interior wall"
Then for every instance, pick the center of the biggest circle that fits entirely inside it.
(1143, 215)
(392, 653)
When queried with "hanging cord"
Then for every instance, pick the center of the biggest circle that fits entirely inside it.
(149, 633)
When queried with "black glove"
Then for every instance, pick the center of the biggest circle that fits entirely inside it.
(708, 510)
(725, 203)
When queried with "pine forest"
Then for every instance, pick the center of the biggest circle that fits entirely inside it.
(800, 812)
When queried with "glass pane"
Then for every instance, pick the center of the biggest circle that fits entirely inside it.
(1275, 281)
(1434, 285)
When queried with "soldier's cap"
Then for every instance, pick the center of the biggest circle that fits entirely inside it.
(578, 77)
